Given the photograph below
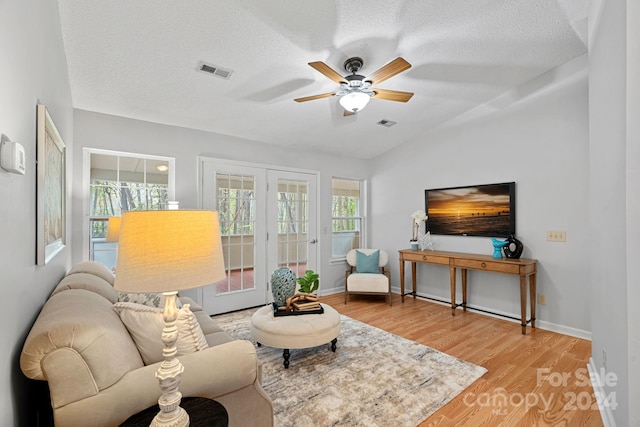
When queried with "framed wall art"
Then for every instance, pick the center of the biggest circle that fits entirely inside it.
(50, 192)
(476, 210)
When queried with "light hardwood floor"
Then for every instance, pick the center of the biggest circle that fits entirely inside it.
(537, 379)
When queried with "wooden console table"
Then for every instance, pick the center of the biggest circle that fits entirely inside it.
(522, 267)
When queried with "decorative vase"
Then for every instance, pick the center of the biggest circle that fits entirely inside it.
(414, 245)
(514, 247)
(283, 285)
(497, 247)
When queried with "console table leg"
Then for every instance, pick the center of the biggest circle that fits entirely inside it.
(532, 298)
(523, 303)
(413, 279)
(452, 280)
(401, 280)
(463, 274)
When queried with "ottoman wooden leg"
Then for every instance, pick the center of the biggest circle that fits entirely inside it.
(286, 356)
(333, 344)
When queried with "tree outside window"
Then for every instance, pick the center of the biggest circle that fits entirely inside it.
(117, 184)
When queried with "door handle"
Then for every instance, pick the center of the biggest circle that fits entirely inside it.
(313, 241)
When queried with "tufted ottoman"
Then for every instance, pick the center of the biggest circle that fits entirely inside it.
(295, 332)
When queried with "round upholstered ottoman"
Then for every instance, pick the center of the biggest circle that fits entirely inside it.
(295, 332)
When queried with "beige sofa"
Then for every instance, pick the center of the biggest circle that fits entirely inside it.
(96, 375)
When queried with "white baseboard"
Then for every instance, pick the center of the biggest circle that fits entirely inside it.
(547, 326)
(541, 324)
(565, 330)
(331, 291)
(598, 390)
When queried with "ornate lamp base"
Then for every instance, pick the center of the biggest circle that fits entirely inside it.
(170, 371)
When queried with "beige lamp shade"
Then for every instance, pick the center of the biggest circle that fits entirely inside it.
(163, 251)
(113, 228)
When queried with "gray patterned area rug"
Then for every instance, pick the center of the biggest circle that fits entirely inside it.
(374, 378)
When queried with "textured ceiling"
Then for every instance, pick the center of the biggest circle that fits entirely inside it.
(140, 59)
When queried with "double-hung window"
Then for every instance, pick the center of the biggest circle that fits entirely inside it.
(120, 182)
(347, 213)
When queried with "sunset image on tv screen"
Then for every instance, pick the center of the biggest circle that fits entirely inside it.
(483, 210)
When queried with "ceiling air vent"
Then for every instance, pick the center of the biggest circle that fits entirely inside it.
(387, 123)
(223, 73)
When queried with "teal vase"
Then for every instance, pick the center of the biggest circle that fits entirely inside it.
(497, 247)
(283, 285)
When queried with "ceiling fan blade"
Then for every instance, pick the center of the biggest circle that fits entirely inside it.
(392, 95)
(327, 71)
(394, 67)
(312, 97)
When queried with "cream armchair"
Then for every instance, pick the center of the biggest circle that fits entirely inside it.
(368, 273)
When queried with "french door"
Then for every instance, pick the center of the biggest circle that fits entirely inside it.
(268, 219)
(292, 237)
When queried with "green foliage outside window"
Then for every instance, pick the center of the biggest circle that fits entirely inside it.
(236, 208)
(111, 198)
(344, 210)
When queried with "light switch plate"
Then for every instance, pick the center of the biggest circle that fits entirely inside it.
(556, 236)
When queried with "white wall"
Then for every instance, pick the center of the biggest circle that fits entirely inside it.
(536, 136)
(33, 71)
(93, 130)
(615, 194)
(633, 206)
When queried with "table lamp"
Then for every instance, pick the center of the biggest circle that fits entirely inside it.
(113, 229)
(168, 251)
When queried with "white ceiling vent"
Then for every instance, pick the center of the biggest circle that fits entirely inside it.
(223, 73)
(385, 122)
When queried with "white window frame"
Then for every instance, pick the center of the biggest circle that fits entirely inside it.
(86, 187)
(362, 203)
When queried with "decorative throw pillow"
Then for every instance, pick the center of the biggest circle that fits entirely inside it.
(151, 299)
(367, 263)
(145, 325)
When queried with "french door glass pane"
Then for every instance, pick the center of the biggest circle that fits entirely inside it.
(237, 212)
(293, 224)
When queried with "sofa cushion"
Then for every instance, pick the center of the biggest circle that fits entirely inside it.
(367, 282)
(213, 333)
(145, 326)
(193, 306)
(93, 267)
(152, 299)
(89, 282)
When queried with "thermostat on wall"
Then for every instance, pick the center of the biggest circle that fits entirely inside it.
(12, 157)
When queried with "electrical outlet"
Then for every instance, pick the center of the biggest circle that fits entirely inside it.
(556, 236)
(542, 299)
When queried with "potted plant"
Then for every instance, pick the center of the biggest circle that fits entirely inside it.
(418, 217)
(309, 283)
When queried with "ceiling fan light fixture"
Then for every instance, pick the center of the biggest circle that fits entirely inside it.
(354, 101)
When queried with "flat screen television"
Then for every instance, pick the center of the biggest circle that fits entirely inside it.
(475, 210)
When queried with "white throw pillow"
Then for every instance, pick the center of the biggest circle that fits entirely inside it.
(145, 325)
(152, 299)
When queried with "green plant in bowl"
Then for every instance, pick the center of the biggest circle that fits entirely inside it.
(309, 283)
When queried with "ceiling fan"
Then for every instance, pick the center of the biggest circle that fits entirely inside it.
(356, 90)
